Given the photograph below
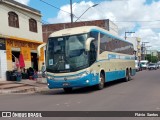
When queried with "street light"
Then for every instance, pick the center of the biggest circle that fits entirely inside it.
(86, 11)
(127, 32)
(71, 11)
(151, 56)
(143, 50)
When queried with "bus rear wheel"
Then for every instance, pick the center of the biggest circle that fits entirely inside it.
(67, 90)
(100, 86)
(128, 76)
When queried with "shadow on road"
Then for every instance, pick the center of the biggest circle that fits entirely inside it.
(84, 90)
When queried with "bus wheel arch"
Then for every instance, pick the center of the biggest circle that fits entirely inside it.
(100, 85)
(130, 74)
(130, 71)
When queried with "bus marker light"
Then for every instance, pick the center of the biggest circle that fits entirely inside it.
(87, 81)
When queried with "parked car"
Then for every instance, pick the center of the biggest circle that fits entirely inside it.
(157, 65)
(152, 66)
(144, 64)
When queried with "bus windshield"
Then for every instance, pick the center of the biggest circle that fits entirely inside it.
(66, 54)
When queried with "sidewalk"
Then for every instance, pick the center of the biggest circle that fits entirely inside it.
(24, 86)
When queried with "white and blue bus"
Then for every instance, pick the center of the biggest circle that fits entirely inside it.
(87, 56)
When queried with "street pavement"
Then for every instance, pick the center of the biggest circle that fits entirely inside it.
(139, 94)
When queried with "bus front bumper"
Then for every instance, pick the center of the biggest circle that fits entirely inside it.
(84, 81)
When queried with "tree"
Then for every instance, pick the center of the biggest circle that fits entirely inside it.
(150, 58)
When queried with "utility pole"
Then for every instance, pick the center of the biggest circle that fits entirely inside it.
(71, 12)
(146, 53)
(126, 35)
(151, 56)
(143, 50)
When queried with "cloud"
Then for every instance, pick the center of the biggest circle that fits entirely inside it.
(25, 2)
(136, 12)
(149, 35)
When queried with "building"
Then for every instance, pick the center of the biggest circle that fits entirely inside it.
(137, 47)
(21, 31)
(158, 56)
(105, 24)
(152, 55)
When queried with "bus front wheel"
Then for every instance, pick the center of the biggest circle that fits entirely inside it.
(100, 86)
(67, 90)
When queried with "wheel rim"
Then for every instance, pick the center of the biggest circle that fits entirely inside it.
(127, 75)
(101, 82)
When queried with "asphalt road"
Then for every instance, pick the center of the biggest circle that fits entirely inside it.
(139, 94)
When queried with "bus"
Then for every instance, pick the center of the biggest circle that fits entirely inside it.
(87, 56)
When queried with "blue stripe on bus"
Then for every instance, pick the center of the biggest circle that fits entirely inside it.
(114, 75)
(81, 82)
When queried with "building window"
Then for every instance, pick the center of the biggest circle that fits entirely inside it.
(32, 25)
(13, 19)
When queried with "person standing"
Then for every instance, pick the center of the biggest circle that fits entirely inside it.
(43, 69)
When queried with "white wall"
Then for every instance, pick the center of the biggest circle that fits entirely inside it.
(133, 40)
(3, 65)
(23, 30)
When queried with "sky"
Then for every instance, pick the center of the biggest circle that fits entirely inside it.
(140, 16)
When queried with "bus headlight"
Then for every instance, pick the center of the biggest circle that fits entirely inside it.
(50, 77)
(87, 81)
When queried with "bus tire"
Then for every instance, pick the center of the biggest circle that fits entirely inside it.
(127, 77)
(130, 74)
(100, 86)
(67, 90)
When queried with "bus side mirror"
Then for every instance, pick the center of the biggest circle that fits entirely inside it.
(39, 49)
(88, 43)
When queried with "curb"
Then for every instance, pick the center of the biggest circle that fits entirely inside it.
(17, 91)
(27, 90)
(41, 89)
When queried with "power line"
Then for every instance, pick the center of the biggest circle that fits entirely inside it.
(54, 6)
(57, 8)
(76, 3)
(138, 21)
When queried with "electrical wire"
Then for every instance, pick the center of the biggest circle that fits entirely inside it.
(51, 5)
(138, 21)
(54, 6)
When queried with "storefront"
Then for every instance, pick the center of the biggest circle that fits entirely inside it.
(28, 48)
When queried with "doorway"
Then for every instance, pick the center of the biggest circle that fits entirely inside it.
(34, 61)
(15, 54)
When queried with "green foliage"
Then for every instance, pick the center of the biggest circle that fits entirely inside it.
(153, 59)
